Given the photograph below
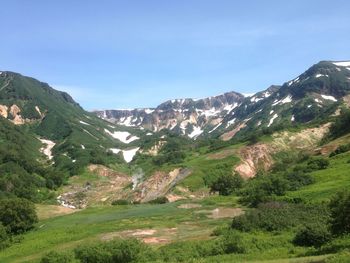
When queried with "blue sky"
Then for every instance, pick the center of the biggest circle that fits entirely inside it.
(126, 54)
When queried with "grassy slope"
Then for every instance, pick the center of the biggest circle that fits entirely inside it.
(335, 178)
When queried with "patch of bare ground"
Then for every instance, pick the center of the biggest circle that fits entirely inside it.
(109, 186)
(49, 211)
(222, 212)
(173, 197)
(189, 206)
(229, 135)
(149, 236)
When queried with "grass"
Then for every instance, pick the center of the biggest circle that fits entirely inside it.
(328, 181)
(67, 231)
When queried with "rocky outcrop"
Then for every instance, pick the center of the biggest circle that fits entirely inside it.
(159, 184)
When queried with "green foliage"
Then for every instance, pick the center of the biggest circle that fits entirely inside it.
(54, 257)
(3, 237)
(17, 215)
(227, 184)
(342, 257)
(277, 216)
(159, 200)
(341, 149)
(261, 188)
(340, 213)
(317, 164)
(120, 202)
(315, 235)
(341, 125)
(116, 251)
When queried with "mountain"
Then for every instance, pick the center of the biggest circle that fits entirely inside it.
(59, 133)
(315, 95)
(183, 116)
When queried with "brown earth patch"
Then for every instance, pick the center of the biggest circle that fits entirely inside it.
(253, 158)
(189, 206)
(229, 135)
(155, 240)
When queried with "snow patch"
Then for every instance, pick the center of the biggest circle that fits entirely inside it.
(129, 154)
(83, 147)
(148, 111)
(124, 137)
(229, 107)
(271, 112)
(255, 99)
(196, 132)
(293, 81)
(217, 126)
(287, 99)
(293, 118)
(272, 119)
(83, 122)
(230, 122)
(47, 148)
(327, 97)
(342, 63)
(321, 75)
(149, 133)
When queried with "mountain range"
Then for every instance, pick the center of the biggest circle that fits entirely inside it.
(315, 94)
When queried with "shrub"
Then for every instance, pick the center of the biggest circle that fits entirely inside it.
(340, 213)
(317, 164)
(312, 235)
(116, 251)
(159, 200)
(227, 184)
(120, 202)
(3, 237)
(232, 242)
(54, 257)
(277, 216)
(17, 215)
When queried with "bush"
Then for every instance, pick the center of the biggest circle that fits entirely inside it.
(312, 235)
(277, 216)
(54, 257)
(120, 202)
(17, 215)
(227, 184)
(232, 242)
(340, 213)
(116, 251)
(317, 164)
(3, 237)
(159, 200)
(261, 188)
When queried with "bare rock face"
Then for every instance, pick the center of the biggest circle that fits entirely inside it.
(4, 111)
(254, 157)
(159, 184)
